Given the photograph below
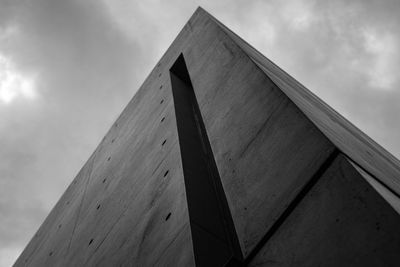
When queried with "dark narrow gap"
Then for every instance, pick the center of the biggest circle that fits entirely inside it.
(293, 204)
(215, 242)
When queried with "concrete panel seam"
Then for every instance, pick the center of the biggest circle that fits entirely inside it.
(295, 202)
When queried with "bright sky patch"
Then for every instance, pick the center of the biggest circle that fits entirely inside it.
(14, 84)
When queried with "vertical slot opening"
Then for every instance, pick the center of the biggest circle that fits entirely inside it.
(215, 241)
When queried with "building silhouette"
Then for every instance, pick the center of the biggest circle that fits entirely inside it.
(222, 159)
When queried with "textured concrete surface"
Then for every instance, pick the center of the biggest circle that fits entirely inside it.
(254, 130)
(342, 221)
(350, 140)
(273, 143)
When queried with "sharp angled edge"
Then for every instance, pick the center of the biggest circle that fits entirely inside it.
(391, 183)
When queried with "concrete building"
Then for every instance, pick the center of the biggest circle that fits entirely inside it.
(222, 159)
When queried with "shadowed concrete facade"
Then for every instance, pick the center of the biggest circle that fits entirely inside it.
(223, 159)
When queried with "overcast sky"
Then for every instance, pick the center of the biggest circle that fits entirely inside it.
(68, 68)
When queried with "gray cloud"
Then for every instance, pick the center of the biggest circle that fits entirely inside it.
(85, 68)
(89, 57)
(347, 52)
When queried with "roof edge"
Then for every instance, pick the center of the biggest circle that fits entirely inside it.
(355, 144)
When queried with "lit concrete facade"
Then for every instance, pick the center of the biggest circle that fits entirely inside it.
(222, 159)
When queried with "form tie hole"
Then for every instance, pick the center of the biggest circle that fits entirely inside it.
(98, 207)
(108, 158)
(162, 119)
(169, 215)
(104, 180)
(91, 241)
(166, 173)
(51, 253)
(112, 141)
(163, 143)
(162, 101)
(160, 87)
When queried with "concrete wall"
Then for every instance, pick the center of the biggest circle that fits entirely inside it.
(342, 221)
(280, 175)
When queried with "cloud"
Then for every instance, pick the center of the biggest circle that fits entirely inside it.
(299, 14)
(86, 71)
(383, 48)
(87, 58)
(345, 52)
(8, 255)
(13, 84)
